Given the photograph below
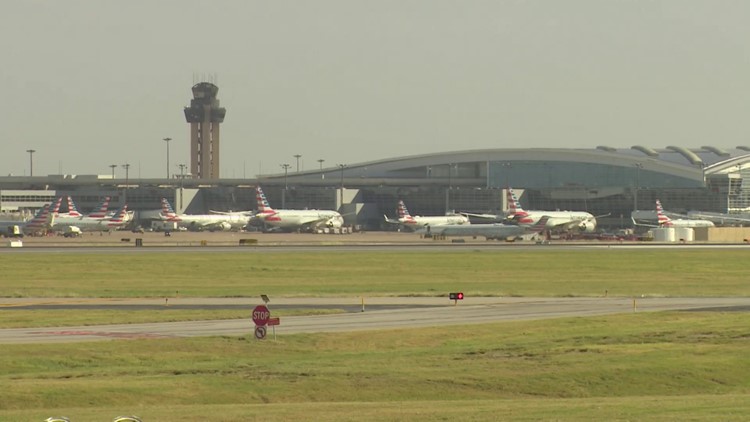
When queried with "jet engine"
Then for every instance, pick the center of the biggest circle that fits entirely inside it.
(225, 226)
(587, 226)
(336, 221)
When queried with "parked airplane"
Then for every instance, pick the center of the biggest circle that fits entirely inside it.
(199, 222)
(291, 220)
(565, 220)
(665, 221)
(87, 223)
(497, 231)
(558, 220)
(416, 221)
(41, 222)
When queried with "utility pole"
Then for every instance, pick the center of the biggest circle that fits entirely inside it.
(341, 188)
(285, 166)
(297, 156)
(320, 160)
(182, 179)
(126, 166)
(31, 161)
(113, 166)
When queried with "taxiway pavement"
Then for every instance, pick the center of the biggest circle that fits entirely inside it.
(425, 312)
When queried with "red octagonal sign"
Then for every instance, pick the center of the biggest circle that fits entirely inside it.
(261, 315)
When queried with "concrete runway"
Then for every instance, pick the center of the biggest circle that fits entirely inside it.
(410, 313)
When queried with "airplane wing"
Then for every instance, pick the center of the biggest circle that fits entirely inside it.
(391, 220)
(636, 223)
(493, 217)
(717, 217)
(240, 213)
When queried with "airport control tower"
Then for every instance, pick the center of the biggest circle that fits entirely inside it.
(204, 116)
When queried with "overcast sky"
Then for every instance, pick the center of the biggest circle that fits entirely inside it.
(93, 83)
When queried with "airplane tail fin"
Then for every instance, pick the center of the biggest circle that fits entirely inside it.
(101, 210)
(514, 207)
(72, 210)
(166, 209)
(56, 208)
(44, 217)
(263, 205)
(120, 216)
(540, 225)
(663, 219)
(403, 212)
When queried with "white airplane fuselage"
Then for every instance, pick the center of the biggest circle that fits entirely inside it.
(689, 223)
(432, 221)
(582, 220)
(209, 221)
(294, 219)
(86, 224)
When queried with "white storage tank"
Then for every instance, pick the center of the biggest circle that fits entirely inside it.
(664, 234)
(685, 234)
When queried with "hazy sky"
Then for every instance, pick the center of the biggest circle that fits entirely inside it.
(93, 83)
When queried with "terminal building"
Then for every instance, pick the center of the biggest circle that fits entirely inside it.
(606, 181)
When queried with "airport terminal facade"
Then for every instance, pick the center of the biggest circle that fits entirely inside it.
(606, 181)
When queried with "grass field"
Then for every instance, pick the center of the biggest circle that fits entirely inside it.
(665, 366)
(701, 272)
(650, 366)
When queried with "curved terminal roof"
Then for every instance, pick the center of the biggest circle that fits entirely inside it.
(692, 163)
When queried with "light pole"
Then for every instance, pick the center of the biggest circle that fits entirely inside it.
(341, 188)
(31, 161)
(182, 178)
(167, 141)
(285, 166)
(297, 156)
(126, 166)
(113, 166)
(320, 161)
(638, 167)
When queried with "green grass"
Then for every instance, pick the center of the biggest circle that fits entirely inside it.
(644, 366)
(655, 366)
(522, 272)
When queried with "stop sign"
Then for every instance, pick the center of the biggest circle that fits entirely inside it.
(261, 315)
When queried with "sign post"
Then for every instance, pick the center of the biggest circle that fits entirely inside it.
(261, 315)
(273, 322)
